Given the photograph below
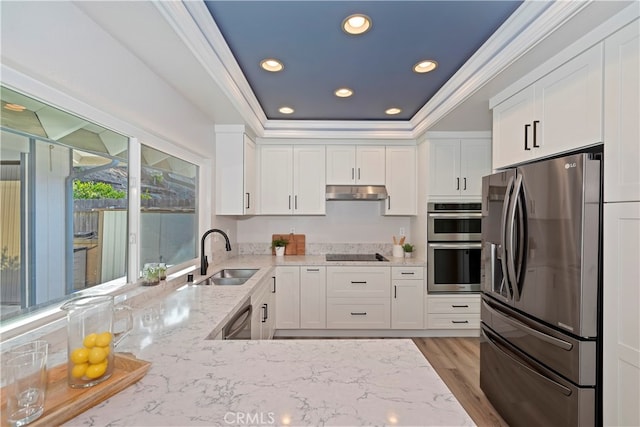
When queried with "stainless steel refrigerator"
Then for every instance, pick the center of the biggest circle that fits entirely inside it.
(540, 351)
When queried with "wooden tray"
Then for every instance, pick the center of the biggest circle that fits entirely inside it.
(296, 245)
(63, 403)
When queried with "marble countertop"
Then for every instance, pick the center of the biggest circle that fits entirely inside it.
(282, 382)
(195, 381)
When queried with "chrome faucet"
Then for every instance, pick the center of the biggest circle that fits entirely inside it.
(203, 258)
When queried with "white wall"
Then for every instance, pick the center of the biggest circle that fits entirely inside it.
(345, 222)
(57, 44)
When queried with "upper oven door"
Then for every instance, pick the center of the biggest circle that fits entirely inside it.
(454, 226)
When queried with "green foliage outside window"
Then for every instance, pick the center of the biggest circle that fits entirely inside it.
(95, 190)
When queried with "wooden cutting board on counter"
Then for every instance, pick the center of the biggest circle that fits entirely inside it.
(296, 245)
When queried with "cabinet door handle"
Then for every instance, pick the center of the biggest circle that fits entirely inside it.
(362, 313)
(358, 174)
(458, 183)
(273, 291)
(389, 202)
(407, 272)
(459, 321)
(395, 291)
(459, 306)
(526, 137)
(313, 269)
(353, 173)
(465, 183)
(358, 283)
(248, 200)
(295, 202)
(265, 312)
(535, 134)
(289, 202)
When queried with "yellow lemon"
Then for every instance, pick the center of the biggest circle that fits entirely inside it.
(97, 355)
(106, 349)
(96, 371)
(103, 339)
(79, 355)
(90, 340)
(79, 370)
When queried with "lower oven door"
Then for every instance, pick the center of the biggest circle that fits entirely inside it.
(526, 393)
(453, 267)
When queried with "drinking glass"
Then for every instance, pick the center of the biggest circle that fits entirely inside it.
(26, 369)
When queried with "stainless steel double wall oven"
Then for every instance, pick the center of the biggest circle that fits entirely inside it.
(454, 247)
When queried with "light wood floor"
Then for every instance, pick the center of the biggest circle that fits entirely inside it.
(457, 361)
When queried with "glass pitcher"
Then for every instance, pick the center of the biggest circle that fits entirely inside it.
(91, 339)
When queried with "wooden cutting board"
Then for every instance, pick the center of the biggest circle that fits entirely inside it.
(296, 245)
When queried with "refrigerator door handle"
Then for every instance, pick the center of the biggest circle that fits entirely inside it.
(521, 326)
(511, 262)
(506, 281)
(522, 363)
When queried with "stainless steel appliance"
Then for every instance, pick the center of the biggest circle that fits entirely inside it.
(454, 222)
(239, 326)
(540, 352)
(454, 248)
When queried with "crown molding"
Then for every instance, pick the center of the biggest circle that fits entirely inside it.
(527, 26)
(193, 24)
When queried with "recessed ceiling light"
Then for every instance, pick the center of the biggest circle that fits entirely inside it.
(356, 24)
(425, 66)
(286, 110)
(393, 111)
(271, 64)
(343, 92)
(15, 107)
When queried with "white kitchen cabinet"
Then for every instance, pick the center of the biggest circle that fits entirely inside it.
(313, 297)
(355, 165)
(560, 112)
(287, 297)
(621, 115)
(292, 180)
(401, 180)
(358, 297)
(407, 299)
(235, 172)
(621, 318)
(453, 312)
(263, 302)
(457, 165)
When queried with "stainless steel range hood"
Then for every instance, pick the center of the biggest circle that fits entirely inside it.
(356, 192)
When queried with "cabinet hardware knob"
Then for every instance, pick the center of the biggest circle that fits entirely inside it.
(459, 321)
(526, 137)
(248, 200)
(364, 313)
(358, 283)
(458, 183)
(459, 306)
(535, 134)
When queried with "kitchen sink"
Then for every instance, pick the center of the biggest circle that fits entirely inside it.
(231, 276)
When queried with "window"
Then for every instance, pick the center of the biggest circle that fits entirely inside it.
(168, 217)
(64, 201)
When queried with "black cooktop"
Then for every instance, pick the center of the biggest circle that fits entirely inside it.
(355, 257)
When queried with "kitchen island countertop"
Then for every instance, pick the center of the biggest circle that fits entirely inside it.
(196, 381)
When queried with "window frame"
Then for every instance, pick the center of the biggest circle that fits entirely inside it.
(18, 82)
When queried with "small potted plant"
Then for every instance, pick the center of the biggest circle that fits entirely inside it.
(151, 274)
(408, 250)
(279, 245)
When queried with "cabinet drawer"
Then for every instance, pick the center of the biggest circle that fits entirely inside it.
(401, 273)
(453, 321)
(370, 313)
(453, 305)
(358, 282)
